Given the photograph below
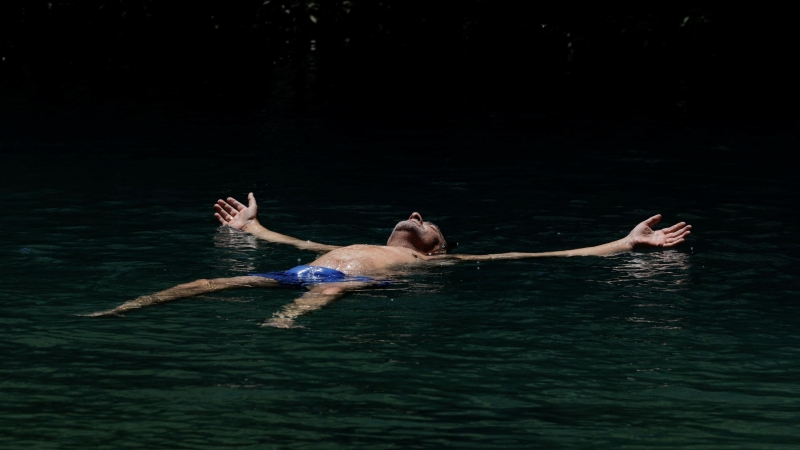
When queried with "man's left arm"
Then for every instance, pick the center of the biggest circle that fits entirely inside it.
(641, 236)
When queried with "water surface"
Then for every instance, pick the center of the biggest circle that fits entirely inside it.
(695, 347)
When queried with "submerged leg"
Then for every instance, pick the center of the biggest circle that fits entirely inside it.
(192, 289)
(317, 297)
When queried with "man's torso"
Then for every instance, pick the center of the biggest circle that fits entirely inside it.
(358, 260)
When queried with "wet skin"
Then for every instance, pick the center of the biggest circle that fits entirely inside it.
(413, 241)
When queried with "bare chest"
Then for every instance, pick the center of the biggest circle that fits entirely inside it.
(365, 259)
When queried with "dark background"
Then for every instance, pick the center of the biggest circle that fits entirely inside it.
(428, 64)
(669, 58)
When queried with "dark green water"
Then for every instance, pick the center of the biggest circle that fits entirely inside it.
(696, 347)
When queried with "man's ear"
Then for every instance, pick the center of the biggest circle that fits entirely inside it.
(440, 250)
(449, 246)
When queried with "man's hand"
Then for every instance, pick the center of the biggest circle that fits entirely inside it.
(643, 234)
(234, 214)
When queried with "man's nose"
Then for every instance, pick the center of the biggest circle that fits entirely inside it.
(416, 216)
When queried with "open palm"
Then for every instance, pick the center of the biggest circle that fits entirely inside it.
(644, 235)
(234, 214)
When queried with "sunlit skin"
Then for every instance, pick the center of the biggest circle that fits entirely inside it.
(413, 241)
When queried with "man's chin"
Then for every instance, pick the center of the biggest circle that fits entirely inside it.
(408, 225)
(403, 234)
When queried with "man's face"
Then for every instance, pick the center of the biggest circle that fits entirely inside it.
(417, 234)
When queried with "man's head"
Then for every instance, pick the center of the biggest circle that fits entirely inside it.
(418, 235)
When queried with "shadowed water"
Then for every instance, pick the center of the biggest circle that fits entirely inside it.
(695, 347)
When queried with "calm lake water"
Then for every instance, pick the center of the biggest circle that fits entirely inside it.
(697, 347)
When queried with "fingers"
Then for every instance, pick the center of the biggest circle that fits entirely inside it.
(682, 234)
(675, 240)
(227, 207)
(221, 220)
(227, 211)
(236, 203)
(224, 214)
(674, 227)
(653, 220)
(675, 231)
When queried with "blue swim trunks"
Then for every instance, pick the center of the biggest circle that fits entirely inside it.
(309, 275)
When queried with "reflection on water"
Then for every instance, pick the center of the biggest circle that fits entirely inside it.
(227, 237)
(241, 257)
(666, 269)
(655, 282)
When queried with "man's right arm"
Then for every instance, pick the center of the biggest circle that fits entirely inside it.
(234, 214)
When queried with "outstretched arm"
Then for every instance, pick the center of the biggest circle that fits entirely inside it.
(641, 236)
(236, 215)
